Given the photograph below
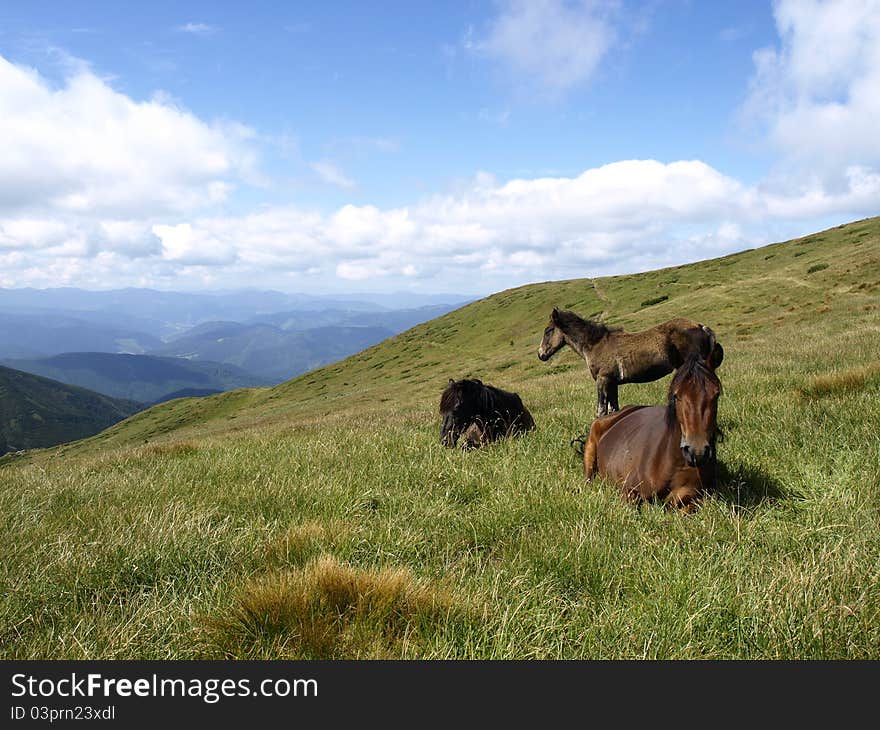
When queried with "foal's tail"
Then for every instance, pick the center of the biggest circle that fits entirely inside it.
(714, 351)
(710, 333)
(579, 443)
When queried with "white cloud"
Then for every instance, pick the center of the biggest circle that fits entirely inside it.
(553, 43)
(197, 28)
(817, 96)
(85, 147)
(331, 174)
(184, 244)
(86, 169)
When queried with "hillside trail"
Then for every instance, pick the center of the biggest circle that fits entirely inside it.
(602, 296)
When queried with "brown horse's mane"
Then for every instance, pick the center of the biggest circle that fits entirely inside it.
(694, 367)
(586, 332)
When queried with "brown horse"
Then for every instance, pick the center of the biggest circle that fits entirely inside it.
(665, 452)
(614, 356)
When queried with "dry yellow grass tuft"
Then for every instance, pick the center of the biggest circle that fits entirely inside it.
(172, 448)
(304, 541)
(842, 381)
(329, 610)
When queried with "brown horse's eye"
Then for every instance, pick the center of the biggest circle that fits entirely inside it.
(548, 331)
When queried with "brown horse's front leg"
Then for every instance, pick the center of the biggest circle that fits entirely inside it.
(685, 491)
(590, 462)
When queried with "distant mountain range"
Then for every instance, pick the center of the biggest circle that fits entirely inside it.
(130, 348)
(36, 412)
(161, 314)
(143, 378)
(395, 320)
(272, 352)
(37, 334)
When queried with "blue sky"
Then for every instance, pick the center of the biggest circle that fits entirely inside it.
(463, 147)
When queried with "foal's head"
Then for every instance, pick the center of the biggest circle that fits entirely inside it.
(693, 403)
(553, 339)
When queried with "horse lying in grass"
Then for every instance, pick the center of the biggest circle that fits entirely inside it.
(483, 413)
(665, 452)
(615, 356)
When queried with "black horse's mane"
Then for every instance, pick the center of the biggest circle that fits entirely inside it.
(486, 399)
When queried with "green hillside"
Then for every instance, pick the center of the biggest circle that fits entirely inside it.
(36, 412)
(322, 518)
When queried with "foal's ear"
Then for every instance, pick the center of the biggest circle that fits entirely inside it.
(451, 381)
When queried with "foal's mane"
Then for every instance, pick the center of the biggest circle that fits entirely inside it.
(587, 331)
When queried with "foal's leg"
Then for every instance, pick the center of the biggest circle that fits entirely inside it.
(611, 404)
(601, 396)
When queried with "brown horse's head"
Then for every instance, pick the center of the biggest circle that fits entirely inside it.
(553, 339)
(693, 404)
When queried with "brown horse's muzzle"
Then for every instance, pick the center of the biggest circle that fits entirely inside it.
(697, 456)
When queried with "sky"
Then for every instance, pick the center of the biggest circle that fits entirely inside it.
(462, 147)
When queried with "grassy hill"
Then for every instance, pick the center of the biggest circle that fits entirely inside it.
(322, 518)
(144, 378)
(37, 412)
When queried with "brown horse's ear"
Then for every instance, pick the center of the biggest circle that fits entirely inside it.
(554, 315)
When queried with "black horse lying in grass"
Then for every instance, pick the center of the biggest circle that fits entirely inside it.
(481, 412)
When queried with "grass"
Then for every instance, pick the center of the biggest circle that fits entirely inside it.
(842, 382)
(322, 518)
(655, 300)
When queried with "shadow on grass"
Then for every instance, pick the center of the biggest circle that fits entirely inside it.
(746, 486)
